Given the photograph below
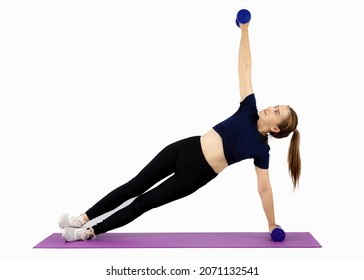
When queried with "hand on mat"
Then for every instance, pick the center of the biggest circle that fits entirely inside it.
(272, 227)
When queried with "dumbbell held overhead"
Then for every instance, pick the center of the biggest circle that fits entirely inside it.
(243, 17)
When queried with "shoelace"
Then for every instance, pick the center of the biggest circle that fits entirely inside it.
(87, 235)
(78, 220)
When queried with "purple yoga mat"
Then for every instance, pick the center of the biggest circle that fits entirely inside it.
(185, 240)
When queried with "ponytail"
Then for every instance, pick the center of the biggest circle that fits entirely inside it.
(294, 158)
(288, 126)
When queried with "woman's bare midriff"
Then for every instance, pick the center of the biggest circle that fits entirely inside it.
(213, 150)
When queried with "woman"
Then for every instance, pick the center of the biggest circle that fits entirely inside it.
(197, 160)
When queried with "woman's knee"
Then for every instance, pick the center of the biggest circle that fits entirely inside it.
(142, 205)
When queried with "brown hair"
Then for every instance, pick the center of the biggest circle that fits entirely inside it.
(294, 159)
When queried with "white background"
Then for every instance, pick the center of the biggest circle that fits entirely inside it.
(90, 91)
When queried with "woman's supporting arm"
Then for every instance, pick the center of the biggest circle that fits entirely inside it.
(266, 195)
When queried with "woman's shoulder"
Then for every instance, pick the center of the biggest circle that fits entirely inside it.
(249, 99)
(249, 105)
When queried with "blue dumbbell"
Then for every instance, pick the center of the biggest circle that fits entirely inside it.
(242, 17)
(278, 234)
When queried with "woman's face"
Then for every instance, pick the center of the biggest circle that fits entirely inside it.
(273, 116)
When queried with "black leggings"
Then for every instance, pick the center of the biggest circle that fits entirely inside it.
(184, 159)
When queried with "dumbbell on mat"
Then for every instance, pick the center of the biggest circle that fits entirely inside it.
(278, 234)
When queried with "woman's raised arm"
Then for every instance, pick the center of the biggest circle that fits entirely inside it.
(245, 63)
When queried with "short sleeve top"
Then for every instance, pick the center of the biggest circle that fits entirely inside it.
(240, 136)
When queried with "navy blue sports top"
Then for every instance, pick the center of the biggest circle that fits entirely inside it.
(240, 136)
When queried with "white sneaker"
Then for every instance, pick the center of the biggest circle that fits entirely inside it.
(66, 220)
(75, 234)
